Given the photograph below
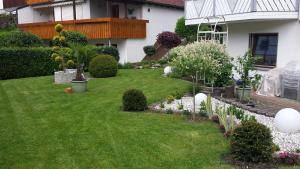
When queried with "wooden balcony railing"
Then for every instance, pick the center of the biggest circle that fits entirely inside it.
(32, 2)
(17, 3)
(100, 28)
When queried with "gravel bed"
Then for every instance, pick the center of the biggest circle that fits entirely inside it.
(286, 141)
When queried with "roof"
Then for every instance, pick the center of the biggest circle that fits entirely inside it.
(171, 3)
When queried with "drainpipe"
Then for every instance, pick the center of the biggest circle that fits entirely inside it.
(74, 9)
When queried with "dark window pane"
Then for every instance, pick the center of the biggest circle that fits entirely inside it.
(264, 48)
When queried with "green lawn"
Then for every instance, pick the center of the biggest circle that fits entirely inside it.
(41, 127)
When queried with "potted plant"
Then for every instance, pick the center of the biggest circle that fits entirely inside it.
(63, 57)
(244, 65)
(79, 84)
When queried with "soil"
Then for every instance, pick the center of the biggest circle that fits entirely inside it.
(248, 165)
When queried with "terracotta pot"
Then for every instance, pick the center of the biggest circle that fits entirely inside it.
(229, 91)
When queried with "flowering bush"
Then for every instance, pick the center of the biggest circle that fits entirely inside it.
(289, 158)
(209, 59)
(168, 39)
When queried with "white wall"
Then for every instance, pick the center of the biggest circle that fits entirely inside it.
(288, 38)
(1, 4)
(30, 15)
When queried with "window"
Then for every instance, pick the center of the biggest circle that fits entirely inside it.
(264, 48)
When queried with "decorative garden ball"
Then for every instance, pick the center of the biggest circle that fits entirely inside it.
(168, 70)
(288, 120)
(199, 98)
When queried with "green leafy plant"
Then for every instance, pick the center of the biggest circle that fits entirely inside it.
(103, 66)
(169, 111)
(149, 50)
(180, 106)
(162, 105)
(170, 99)
(177, 95)
(243, 67)
(134, 100)
(108, 50)
(202, 110)
(189, 32)
(71, 37)
(298, 150)
(275, 147)
(225, 121)
(186, 112)
(255, 82)
(126, 66)
(252, 142)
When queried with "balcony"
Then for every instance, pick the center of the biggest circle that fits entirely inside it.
(209, 11)
(17, 3)
(100, 28)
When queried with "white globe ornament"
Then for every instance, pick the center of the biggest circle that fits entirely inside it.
(287, 120)
(168, 70)
(199, 98)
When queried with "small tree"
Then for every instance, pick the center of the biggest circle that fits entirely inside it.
(195, 60)
(168, 39)
(243, 67)
(62, 55)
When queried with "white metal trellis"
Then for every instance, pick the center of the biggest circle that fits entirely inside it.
(213, 34)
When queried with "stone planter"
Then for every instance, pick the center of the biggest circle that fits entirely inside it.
(79, 86)
(62, 77)
(247, 93)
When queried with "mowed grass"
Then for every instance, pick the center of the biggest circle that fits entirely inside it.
(41, 127)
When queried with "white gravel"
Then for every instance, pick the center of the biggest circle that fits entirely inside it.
(286, 141)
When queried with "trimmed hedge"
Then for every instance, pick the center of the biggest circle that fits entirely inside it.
(103, 66)
(108, 50)
(19, 39)
(25, 62)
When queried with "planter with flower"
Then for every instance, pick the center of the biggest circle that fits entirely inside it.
(79, 83)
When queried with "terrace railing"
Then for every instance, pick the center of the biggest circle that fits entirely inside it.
(210, 8)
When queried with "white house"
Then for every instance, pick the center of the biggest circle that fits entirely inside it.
(127, 24)
(270, 28)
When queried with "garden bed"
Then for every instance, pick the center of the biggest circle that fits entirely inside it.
(286, 141)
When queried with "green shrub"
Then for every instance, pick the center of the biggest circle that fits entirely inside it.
(134, 100)
(188, 31)
(103, 66)
(252, 142)
(25, 62)
(19, 39)
(108, 50)
(71, 37)
(149, 50)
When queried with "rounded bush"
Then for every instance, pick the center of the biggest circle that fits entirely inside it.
(19, 39)
(149, 50)
(168, 39)
(58, 27)
(252, 142)
(103, 66)
(134, 100)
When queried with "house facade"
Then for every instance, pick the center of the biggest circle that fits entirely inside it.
(270, 28)
(127, 24)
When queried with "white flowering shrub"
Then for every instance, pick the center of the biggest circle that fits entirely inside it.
(208, 59)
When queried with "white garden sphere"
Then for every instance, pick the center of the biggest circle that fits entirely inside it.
(199, 98)
(168, 70)
(288, 120)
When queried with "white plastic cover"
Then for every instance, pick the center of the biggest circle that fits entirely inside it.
(271, 83)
